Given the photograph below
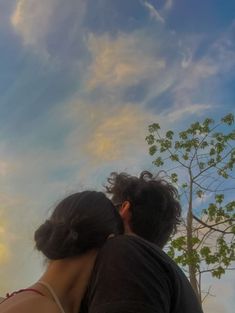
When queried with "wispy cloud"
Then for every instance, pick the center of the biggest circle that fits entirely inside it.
(119, 135)
(211, 69)
(129, 60)
(121, 61)
(168, 4)
(188, 109)
(37, 23)
(154, 12)
(32, 19)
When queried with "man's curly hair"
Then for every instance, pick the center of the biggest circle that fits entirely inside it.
(154, 204)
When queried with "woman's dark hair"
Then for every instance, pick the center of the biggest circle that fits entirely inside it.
(80, 222)
(154, 204)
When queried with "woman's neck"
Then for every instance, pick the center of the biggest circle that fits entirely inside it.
(69, 279)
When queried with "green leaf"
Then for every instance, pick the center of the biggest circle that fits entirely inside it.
(158, 162)
(230, 207)
(171, 252)
(179, 242)
(174, 157)
(184, 185)
(219, 198)
(195, 240)
(211, 162)
(204, 144)
(183, 135)
(219, 147)
(169, 134)
(200, 193)
(205, 251)
(218, 272)
(177, 145)
(228, 119)
(154, 127)
(150, 139)
(174, 178)
(212, 208)
(152, 150)
(223, 173)
(212, 151)
(207, 122)
(201, 165)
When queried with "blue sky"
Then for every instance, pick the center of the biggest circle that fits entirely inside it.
(79, 83)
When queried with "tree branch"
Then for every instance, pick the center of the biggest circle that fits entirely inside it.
(213, 165)
(211, 190)
(211, 227)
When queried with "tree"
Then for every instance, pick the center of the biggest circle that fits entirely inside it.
(200, 161)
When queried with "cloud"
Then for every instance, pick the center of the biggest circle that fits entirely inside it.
(4, 249)
(32, 20)
(126, 60)
(168, 4)
(114, 132)
(120, 135)
(153, 12)
(178, 113)
(42, 24)
(129, 60)
(20, 215)
(222, 51)
(110, 133)
(132, 60)
(215, 307)
(197, 72)
(5, 167)
(224, 290)
(4, 254)
(121, 61)
(192, 72)
(200, 79)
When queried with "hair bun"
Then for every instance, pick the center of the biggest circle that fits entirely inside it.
(43, 234)
(80, 222)
(56, 240)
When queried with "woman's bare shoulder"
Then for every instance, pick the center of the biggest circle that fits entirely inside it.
(35, 304)
(43, 304)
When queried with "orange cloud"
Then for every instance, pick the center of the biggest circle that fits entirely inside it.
(5, 168)
(4, 249)
(114, 135)
(121, 61)
(31, 20)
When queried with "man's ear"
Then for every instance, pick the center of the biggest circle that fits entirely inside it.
(125, 212)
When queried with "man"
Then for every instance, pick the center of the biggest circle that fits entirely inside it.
(132, 274)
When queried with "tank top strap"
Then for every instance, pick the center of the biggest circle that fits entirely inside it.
(49, 288)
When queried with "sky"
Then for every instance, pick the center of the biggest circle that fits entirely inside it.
(80, 81)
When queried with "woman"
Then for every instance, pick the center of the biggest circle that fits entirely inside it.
(70, 239)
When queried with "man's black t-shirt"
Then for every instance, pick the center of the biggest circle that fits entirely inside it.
(132, 275)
